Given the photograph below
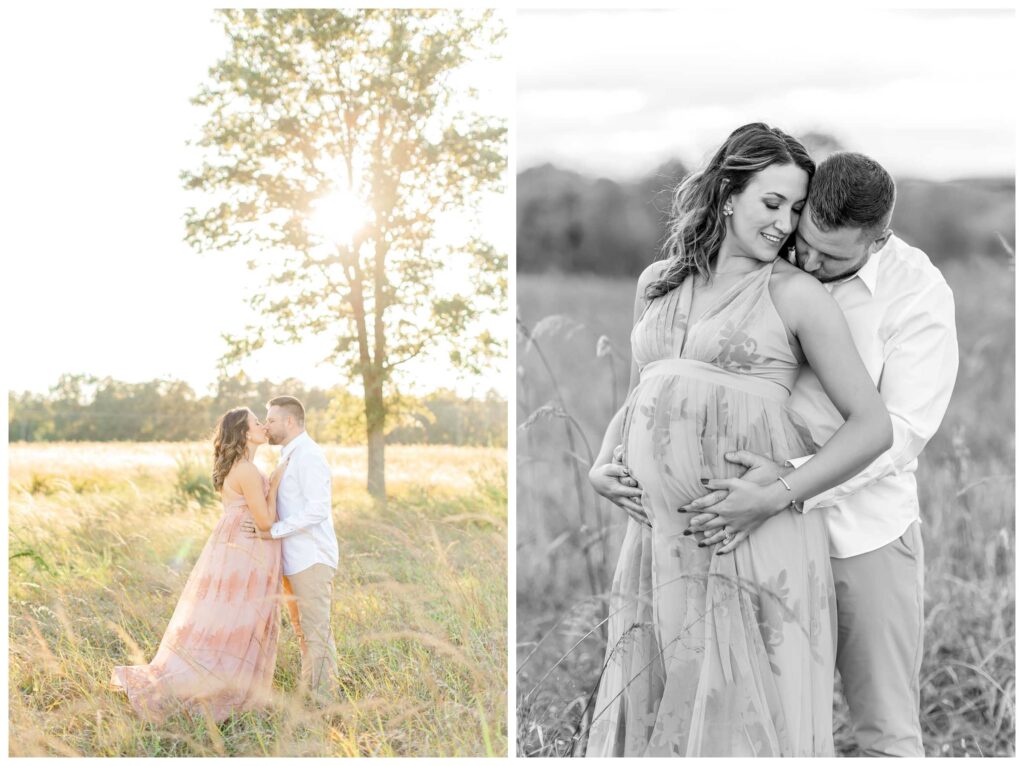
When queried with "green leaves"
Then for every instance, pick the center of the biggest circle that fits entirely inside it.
(302, 93)
(308, 105)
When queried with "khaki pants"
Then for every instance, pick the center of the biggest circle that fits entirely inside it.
(313, 588)
(880, 599)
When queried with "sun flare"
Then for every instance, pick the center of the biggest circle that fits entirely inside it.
(337, 217)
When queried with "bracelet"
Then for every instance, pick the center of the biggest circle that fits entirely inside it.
(792, 503)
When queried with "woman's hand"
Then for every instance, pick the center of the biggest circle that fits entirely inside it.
(747, 506)
(759, 469)
(612, 481)
(278, 474)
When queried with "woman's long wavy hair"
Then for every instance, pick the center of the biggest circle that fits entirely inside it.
(229, 442)
(697, 227)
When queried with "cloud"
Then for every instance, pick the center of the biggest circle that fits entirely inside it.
(681, 80)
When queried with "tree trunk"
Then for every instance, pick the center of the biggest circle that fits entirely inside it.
(375, 458)
(374, 401)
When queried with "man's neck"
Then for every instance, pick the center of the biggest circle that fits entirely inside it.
(292, 438)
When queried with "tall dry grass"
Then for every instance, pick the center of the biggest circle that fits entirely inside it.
(965, 481)
(102, 537)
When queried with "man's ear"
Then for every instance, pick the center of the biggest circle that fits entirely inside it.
(880, 241)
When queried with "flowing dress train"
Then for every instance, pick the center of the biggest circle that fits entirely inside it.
(218, 652)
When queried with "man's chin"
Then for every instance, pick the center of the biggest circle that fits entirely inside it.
(837, 277)
(826, 278)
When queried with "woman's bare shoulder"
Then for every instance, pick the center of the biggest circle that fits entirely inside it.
(790, 282)
(243, 472)
(650, 274)
(798, 296)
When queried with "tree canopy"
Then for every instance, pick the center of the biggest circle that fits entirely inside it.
(364, 117)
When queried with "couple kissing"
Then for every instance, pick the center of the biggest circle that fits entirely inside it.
(274, 543)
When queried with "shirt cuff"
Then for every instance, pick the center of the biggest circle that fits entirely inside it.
(801, 505)
(817, 501)
(796, 462)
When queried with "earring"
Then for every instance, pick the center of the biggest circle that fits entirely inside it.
(728, 210)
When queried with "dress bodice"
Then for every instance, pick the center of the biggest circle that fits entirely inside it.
(238, 503)
(741, 332)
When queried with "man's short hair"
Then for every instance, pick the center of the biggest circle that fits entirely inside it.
(851, 190)
(292, 405)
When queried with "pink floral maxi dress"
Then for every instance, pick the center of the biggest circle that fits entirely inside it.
(711, 655)
(218, 652)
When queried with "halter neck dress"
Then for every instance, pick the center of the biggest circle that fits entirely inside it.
(711, 655)
(218, 652)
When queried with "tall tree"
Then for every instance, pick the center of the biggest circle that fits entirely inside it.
(359, 117)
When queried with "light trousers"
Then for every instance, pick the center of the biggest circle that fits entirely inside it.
(313, 588)
(880, 601)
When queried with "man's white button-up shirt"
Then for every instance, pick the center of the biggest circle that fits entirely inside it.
(304, 508)
(900, 312)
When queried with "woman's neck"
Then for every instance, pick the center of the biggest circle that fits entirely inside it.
(250, 452)
(730, 259)
(726, 264)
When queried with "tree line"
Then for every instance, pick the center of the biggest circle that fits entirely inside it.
(570, 222)
(88, 408)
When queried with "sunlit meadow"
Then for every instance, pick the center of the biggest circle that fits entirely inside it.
(572, 377)
(103, 536)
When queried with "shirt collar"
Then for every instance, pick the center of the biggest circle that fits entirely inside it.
(290, 447)
(868, 273)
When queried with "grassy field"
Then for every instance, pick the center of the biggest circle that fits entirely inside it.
(102, 537)
(567, 540)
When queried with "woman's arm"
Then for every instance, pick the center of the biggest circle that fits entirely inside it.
(606, 472)
(272, 505)
(824, 336)
(250, 482)
(817, 322)
(275, 482)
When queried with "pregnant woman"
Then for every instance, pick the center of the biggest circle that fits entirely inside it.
(217, 654)
(732, 654)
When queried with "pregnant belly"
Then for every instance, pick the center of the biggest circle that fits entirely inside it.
(677, 431)
(663, 447)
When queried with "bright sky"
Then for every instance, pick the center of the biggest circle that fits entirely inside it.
(98, 278)
(927, 93)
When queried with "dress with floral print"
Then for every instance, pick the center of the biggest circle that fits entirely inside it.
(737, 651)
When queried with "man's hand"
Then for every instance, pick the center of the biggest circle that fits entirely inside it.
(733, 517)
(746, 507)
(760, 470)
(614, 482)
(250, 530)
(619, 458)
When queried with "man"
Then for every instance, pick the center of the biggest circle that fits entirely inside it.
(309, 547)
(900, 312)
